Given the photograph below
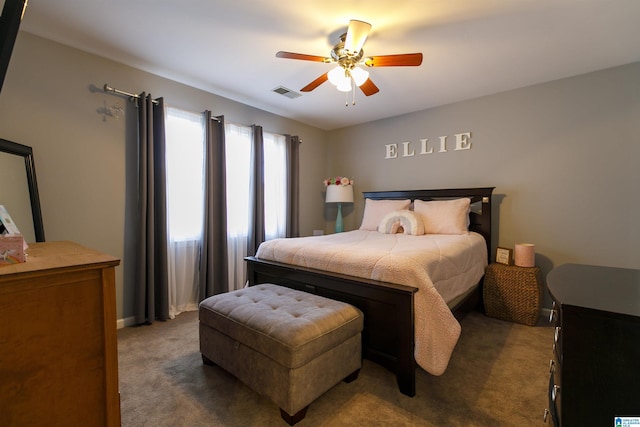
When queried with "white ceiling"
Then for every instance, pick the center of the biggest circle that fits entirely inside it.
(471, 48)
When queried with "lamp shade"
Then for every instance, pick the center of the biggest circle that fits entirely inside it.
(339, 194)
(359, 75)
(345, 86)
(341, 78)
(337, 75)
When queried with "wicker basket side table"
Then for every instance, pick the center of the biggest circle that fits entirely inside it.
(512, 293)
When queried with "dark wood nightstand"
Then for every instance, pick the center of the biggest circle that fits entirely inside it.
(512, 293)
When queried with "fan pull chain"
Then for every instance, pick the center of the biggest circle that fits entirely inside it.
(353, 89)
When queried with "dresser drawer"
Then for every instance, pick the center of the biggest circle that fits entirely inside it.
(555, 318)
(552, 414)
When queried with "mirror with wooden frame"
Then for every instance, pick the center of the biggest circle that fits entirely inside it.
(19, 189)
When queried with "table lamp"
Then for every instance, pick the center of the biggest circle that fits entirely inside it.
(339, 190)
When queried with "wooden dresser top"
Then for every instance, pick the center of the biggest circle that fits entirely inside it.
(58, 255)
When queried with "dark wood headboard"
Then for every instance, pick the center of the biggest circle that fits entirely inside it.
(479, 217)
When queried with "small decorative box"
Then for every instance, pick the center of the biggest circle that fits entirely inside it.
(11, 249)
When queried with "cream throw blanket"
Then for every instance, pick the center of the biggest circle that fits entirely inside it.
(451, 263)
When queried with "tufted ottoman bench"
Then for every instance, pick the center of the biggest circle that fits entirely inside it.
(288, 345)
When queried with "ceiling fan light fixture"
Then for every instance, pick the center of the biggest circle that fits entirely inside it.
(356, 36)
(344, 85)
(348, 56)
(340, 78)
(359, 75)
(336, 75)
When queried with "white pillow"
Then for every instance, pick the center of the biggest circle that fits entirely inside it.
(444, 216)
(375, 210)
(404, 221)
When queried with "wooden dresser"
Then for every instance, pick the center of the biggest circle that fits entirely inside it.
(595, 370)
(58, 341)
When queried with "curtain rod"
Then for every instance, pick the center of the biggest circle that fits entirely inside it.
(132, 96)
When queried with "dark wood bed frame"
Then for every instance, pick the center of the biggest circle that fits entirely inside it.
(388, 336)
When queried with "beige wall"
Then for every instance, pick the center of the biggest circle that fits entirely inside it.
(563, 157)
(52, 101)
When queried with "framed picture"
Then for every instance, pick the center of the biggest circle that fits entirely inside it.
(504, 256)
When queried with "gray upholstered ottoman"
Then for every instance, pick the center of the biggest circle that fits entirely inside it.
(289, 345)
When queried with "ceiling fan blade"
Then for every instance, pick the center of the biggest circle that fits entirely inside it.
(314, 84)
(401, 60)
(369, 88)
(302, 56)
(356, 36)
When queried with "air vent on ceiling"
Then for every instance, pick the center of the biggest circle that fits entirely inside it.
(286, 92)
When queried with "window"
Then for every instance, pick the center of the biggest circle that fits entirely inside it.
(238, 152)
(184, 134)
(275, 191)
(185, 178)
(238, 142)
(238, 156)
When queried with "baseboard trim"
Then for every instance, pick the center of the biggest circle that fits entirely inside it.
(123, 323)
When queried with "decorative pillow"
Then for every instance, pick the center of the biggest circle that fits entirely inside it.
(404, 221)
(444, 216)
(375, 210)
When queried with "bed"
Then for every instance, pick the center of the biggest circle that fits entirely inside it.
(393, 335)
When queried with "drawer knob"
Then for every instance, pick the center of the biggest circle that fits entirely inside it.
(552, 366)
(554, 392)
(546, 415)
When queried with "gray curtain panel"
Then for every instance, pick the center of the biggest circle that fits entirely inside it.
(256, 234)
(151, 299)
(214, 273)
(293, 186)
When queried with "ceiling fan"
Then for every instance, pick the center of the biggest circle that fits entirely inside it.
(349, 56)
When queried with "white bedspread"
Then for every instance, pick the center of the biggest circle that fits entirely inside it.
(440, 266)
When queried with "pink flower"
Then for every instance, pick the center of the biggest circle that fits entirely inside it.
(338, 180)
